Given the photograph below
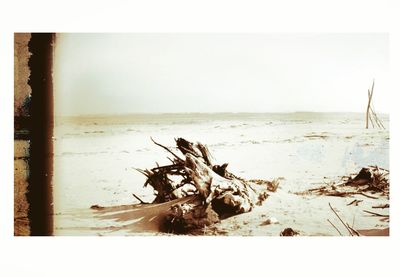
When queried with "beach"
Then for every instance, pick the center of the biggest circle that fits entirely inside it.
(95, 159)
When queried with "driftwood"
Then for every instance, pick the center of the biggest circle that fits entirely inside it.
(346, 225)
(354, 202)
(350, 229)
(381, 206)
(370, 180)
(217, 192)
(140, 200)
(354, 232)
(370, 115)
(376, 214)
(340, 233)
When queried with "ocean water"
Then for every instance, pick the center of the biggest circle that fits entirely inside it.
(95, 157)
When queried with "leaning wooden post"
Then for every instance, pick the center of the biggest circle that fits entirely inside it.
(371, 117)
(367, 113)
(369, 104)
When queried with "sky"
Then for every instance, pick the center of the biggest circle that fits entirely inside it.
(174, 73)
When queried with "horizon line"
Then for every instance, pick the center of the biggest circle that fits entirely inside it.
(205, 113)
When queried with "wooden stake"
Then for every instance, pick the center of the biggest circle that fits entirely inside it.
(367, 113)
(379, 122)
(370, 114)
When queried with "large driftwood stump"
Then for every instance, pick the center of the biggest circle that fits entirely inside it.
(216, 193)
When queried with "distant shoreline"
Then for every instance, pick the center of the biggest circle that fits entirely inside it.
(190, 118)
(209, 114)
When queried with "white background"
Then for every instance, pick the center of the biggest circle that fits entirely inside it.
(195, 256)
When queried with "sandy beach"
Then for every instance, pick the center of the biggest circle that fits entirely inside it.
(95, 157)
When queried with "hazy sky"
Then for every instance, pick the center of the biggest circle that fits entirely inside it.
(132, 73)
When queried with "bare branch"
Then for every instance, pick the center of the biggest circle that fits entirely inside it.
(345, 225)
(335, 227)
(166, 148)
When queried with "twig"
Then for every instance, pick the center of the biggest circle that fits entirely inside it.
(373, 213)
(141, 171)
(168, 167)
(140, 200)
(335, 227)
(170, 160)
(355, 201)
(369, 196)
(352, 202)
(354, 231)
(351, 234)
(345, 193)
(319, 188)
(337, 193)
(166, 148)
(382, 206)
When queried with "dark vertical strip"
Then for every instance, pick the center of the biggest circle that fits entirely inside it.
(41, 131)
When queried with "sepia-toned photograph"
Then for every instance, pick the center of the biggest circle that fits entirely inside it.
(201, 134)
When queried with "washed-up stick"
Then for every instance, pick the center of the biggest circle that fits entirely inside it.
(352, 202)
(140, 200)
(369, 196)
(339, 193)
(335, 227)
(346, 193)
(345, 225)
(355, 202)
(382, 206)
(377, 214)
(354, 231)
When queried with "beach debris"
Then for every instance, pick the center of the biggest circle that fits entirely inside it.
(96, 207)
(376, 214)
(271, 185)
(289, 232)
(270, 220)
(314, 135)
(354, 232)
(371, 178)
(355, 202)
(381, 206)
(351, 231)
(333, 225)
(372, 182)
(218, 192)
